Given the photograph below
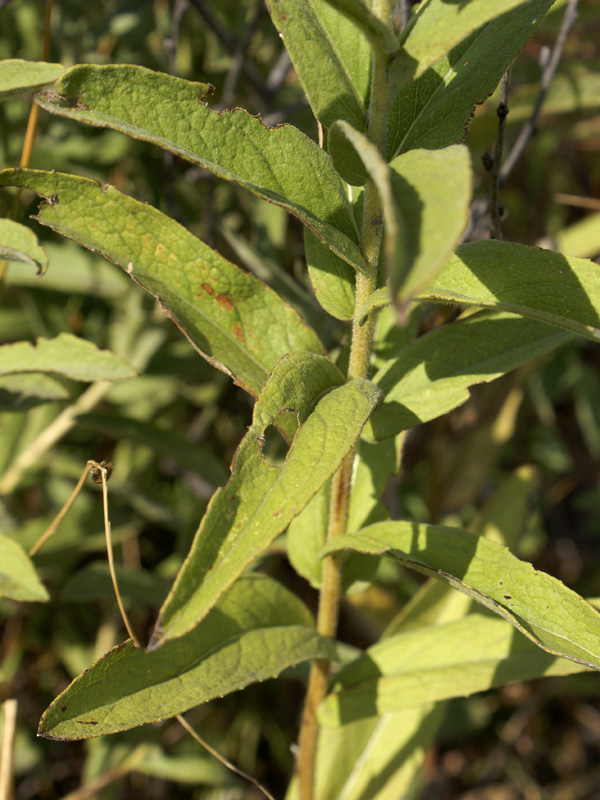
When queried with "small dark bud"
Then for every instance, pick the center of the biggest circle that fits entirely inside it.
(502, 111)
(488, 161)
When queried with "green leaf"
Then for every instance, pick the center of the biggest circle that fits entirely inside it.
(379, 34)
(314, 54)
(280, 164)
(19, 392)
(260, 500)
(436, 27)
(432, 191)
(235, 321)
(66, 354)
(431, 376)
(333, 280)
(582, 239)
(535, 283)
(540, 606)
(18, 578)
(455, 659)
(18, 76)
(18, 243)
(434, 111)
(255, 631)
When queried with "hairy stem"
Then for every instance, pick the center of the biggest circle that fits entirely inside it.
(362, 337)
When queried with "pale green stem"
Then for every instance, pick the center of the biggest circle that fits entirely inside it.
(362, 337)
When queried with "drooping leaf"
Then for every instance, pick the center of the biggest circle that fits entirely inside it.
(314, 54)
(235, 321)
(434, 111)
(18, 243)
(537, 604)
(455, 659)
(66, 354)
(280, 164)
(535, 283)
(260, 500)
(438, 26)
(255, 631)
(431, 376)
(18, 76)
(18, 578)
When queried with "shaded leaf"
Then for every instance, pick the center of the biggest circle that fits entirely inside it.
(18, 578)
(66, 354)
(431, 376)
(25, 390)
(235, 321)
(540, 284)
(379, 34)
(255, 631)
(18, 243)
(280, 164)
(332, 279)
(537, 604)
(455, 659)
(260, 500)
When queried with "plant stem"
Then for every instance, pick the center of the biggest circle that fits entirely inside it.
(360, 352)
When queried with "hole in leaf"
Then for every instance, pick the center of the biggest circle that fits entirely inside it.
(275, 446)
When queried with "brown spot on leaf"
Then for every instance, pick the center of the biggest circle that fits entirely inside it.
(238, 333)
(278, 513)
(208, 288)
(225, 301)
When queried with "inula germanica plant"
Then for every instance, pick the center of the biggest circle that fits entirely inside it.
(384, 199)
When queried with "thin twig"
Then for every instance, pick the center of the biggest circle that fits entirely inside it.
(529, 128)
(221, 758)
(9, 725)
(129, 764)
(51, 529)
(493, 165)
(239, 56)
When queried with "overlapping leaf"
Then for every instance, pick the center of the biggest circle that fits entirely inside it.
(18, 578)
(540, 284)
(65, 354)
(234, 320)
(255, 631)
(260, 500)
(18, 76)
(431, 376)
(280, 164)
(537, 604)
(455, 659)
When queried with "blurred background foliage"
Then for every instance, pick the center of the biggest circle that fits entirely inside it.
(172, 431)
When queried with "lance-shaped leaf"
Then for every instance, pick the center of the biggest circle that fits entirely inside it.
(431, 376)
(434, 111)
(315, 54)
(18, 76)
(18, 578)
(540, 284)
(256, 630)
(540, 606)
(260, 500)
(18, 243)
(436, 28)
(455, 659)
(280, 164)
(235, 321)
(66, 354)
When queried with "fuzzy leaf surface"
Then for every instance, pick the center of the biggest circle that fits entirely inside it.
(18, 243)
(18, 578)
(541, 284)
(255, 631)
(455, 659)
(431, 376)
(378, 33)
(314, 54)
(279, 164)
(434, 111)
(234, 320)
(66, 354)
(18, 76)
(260, 500)
(553, 616)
